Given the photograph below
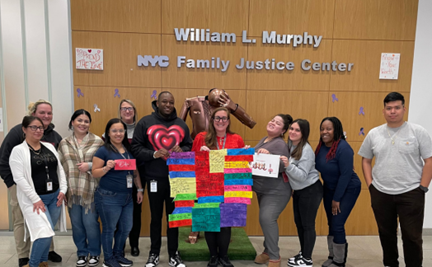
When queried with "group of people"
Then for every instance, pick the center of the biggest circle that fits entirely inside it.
(45, 173)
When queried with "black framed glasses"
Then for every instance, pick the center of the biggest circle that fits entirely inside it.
(218, 119)
(126, 109)
(34, 128)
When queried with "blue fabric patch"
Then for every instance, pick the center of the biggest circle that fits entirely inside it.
(238, 182)
(182, 210)
(171, 161)
(181, 174)
(240, 151)
(210, 199)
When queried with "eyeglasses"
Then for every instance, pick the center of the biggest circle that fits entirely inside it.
(223, 119)
(34, 128)
(117, 131)
(126, 109)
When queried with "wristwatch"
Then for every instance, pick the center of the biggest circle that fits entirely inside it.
(140, 190)
(425, 189)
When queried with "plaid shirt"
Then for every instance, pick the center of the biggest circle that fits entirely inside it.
(81, 185)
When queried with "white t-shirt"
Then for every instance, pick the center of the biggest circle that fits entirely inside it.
(399, 154)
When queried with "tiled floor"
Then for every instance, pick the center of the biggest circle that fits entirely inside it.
(364, 251)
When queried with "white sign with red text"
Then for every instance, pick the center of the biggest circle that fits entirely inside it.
(389, 69)
(89, 59)
(265, 165)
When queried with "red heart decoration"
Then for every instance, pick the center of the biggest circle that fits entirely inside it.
(161, 137)
(89, 50)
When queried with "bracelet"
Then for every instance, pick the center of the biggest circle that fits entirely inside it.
(104, 169)
(140, 190)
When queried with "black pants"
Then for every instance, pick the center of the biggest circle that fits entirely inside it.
(136, 227)
(306, 203)
(218, 242)
(156, 201)
(409, 207)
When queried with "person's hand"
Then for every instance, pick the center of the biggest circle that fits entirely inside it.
(162, 153)
(176, 148)
(39, 206)
(60, 198)
(285, 161)
(109, 165)
(139, 197)
(335, 207)
(263, 151)
(204, 148)
(246, 147)
(83, 167)
(225, 101)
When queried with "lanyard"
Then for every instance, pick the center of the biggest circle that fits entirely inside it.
(217, 143)
(43, 157)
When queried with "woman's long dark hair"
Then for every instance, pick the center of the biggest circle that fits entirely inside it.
(305, 130)
(125, 141)
(78, 113)
(338, 135)
(210, 138)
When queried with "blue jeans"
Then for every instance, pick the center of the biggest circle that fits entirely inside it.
(337, 222)
(115, 209)
(41, 246)
(85, 231)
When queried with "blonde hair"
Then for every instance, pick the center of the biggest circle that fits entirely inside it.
(32, 107)
(130, 103)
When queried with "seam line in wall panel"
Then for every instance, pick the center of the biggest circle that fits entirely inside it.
(71, 89)
(48, 50)
(3, 83)
(24, 51)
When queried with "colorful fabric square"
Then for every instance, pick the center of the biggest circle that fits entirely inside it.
(239, 182)
(181, 168)
(248, 158)
(246, 175)
(206, 219)
(232, 214)
(180, 161)
(181, 174)
(211, 184)
(182, 197)
(184, 203)
(173, 224)
(243, 200)
(182, 210)
(241, 151)
(217, 160)
(211, 199)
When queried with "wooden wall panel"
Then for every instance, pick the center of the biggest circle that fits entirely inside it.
(371, 19)
(121, 51)
(142, 16)
(104, 98)
(293, 103)
(218, 16)
(292, 17)
(366, 56)
(296, 79)
(347, 109)
(198, 77)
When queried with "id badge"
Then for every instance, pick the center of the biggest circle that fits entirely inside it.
(153, 186)
(49, 185)
(129, 179)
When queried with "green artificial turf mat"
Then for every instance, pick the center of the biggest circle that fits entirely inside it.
(240, 247)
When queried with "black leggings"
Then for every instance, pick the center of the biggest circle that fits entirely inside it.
(219, 240)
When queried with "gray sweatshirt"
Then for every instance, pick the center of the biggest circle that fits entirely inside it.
(302, 173)
(273, 186)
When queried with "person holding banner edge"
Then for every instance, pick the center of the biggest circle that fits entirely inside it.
(219, 136)
(273, 194)
(308, 190)
(113, 196)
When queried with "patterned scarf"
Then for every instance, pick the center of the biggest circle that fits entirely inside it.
(81, 185)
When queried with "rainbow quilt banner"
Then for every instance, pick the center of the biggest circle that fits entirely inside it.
(220, 181)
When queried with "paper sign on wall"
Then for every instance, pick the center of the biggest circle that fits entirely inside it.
(389, 69)
(89, 59)
(265, 165)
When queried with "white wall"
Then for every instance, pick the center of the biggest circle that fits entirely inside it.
(421, 85)
(35, 63)
(36, 49)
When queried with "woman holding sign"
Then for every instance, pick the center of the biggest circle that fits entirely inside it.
(273, 193)
(335, 161)
(308, 190)
(219, 136)
(76, 154)
(115, 166)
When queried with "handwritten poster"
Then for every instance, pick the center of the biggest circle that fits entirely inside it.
(265, 165)
(389, 68)
(217, 160)
(89, 59)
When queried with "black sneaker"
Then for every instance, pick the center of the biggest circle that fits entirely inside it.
(123, 261)
(301, 262)
(54, 257)
(111, 263)
(82, 261)
(225, 261)
(214, 261)
(153, 260)
(176, 261)
(23, 261)
(93, 261)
